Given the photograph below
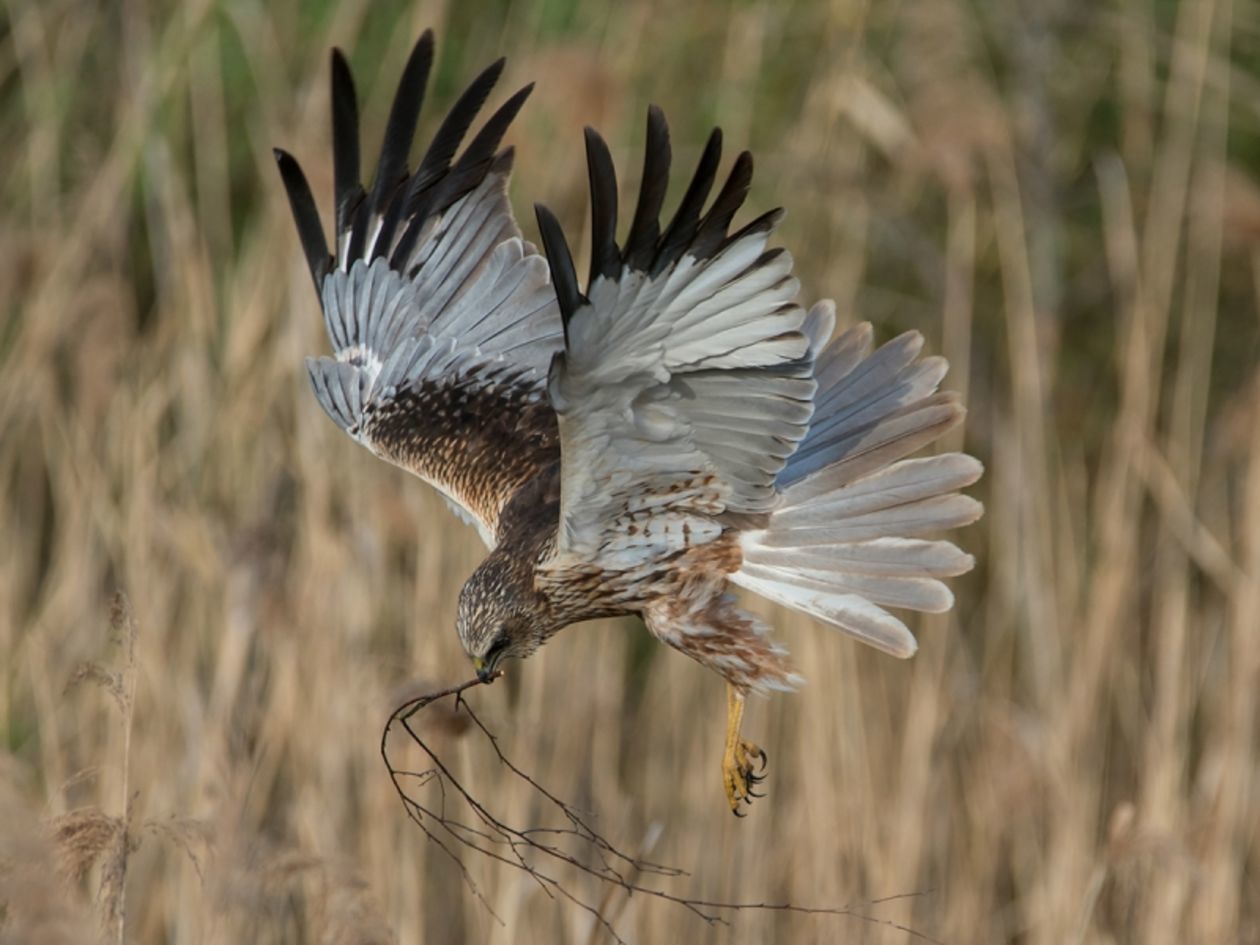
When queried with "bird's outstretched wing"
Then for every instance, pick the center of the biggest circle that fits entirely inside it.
(686, 380)
(441, 317)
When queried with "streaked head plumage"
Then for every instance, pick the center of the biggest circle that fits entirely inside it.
(500, 616)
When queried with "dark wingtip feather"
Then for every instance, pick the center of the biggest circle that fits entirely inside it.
(404, 114)
(560, 260)
(347, 187)
(400, 132)
(712, 233)
(605, 257)
(425, 198)
(483, 147)
(763, 224)
(682, 229)
(479, 156)
(305, 215)
(645, 229)
(494, 130)
(503, 161)
(441, 151)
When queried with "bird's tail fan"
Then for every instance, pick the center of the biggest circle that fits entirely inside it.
(848, 539)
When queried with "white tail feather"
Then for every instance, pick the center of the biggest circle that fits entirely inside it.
(843, 543)
(851, 613)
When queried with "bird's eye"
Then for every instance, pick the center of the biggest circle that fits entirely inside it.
(500, 644)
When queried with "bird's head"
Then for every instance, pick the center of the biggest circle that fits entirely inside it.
(499, 616)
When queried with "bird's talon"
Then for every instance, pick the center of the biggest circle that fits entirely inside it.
(741, 774)
(740, 770)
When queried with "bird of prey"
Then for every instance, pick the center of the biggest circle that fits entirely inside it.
(639, 444)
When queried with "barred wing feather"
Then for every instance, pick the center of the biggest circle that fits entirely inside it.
(685, 382)
(441, 317)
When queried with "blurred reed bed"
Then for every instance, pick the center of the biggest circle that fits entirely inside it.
(1060, 195)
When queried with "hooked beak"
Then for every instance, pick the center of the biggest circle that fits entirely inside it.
(485, 672)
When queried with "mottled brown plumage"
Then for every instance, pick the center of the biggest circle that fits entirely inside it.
(640, 444)
(482, 445)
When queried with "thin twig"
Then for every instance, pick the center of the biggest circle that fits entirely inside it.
(519, 847)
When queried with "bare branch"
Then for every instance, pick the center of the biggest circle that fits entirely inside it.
(574, 845)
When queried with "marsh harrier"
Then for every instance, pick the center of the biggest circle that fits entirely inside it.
(639, 443)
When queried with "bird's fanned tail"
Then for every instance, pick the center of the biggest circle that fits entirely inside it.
(848, 538)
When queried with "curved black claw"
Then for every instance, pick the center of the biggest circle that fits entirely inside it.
(743, 772)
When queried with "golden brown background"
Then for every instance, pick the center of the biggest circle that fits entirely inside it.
(1058, 193)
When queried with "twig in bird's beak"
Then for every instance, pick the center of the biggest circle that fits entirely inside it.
(410, 708)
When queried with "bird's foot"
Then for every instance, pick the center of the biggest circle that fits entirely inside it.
(743, 768)
(743, 763)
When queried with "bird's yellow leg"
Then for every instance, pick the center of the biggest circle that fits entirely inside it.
(738, 757)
